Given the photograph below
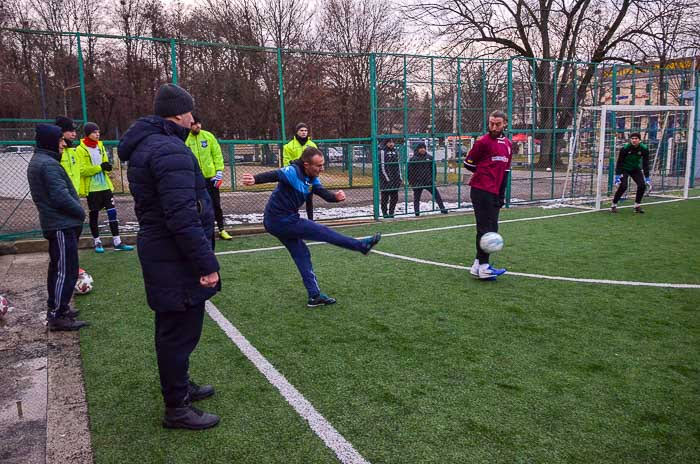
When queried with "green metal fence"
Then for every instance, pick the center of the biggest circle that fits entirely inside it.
(251, 98)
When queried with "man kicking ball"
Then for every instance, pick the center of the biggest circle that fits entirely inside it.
(295, 185)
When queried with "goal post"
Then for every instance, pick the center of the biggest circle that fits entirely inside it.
(600, 131)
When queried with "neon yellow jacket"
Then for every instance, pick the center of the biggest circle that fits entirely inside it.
(69, 161)
(293, 150)
(88, 170)
(207, 151)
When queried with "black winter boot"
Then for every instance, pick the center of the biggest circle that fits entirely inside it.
(199, 392)
(188, 417)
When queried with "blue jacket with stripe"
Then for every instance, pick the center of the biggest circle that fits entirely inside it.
(294, 188)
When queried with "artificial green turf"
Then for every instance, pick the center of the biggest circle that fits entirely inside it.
(418, 363)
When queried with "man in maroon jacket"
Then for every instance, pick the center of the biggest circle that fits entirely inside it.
(489, 160)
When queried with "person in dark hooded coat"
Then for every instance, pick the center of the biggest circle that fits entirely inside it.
(421, 176)
(176, 228)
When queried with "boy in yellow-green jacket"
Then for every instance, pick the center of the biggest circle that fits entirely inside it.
(294, 148)
(211, 161)
(68, 159)
(96, 185)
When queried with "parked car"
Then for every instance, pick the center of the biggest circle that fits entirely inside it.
(19, 149)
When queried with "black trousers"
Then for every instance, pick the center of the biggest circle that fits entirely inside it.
(638, 177)
(417, 192)
(63, 269)
(486, 205)
(390, 197)
(216, 201)
(177, 335)
(98, 201)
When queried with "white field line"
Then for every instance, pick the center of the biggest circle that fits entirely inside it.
(540, 276)
(321, 427)
(459, 226)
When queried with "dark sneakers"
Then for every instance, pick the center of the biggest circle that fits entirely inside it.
(638, 210)
(369, 242)
(321, 300)
(65, 323)
(188, 417)
(197, 392)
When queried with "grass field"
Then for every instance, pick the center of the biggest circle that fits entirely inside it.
(419, 363)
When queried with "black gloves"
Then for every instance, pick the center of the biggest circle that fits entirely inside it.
(106, 166)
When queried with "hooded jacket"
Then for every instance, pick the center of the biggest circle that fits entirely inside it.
(51, 189)
(389, 168)
(420, 169)
(175, 214)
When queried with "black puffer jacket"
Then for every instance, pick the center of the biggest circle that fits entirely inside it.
(175, 214)
(420, 169)
(52, 191)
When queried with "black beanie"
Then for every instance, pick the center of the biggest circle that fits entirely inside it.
(196, 119)
(172, 100)
(48, 136)
(301, 125)
(89, 128)
(66, 124)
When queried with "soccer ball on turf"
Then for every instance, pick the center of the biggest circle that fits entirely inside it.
(491, 242)
(84, 283)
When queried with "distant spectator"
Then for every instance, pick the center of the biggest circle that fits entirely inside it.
(211, 161)
(69, 160)
(96, 185)
(389, 177)
(421, 176)
(61, 217)
(293, 150)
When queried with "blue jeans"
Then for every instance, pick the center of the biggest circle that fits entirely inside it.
(293, 231)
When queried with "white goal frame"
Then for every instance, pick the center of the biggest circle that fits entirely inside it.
(604, 110)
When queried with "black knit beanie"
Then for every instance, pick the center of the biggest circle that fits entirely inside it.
(89, 128)
(172, 100)
(66, 124)
(48, 136)
(301, 125)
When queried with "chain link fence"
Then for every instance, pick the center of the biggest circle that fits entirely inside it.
(252, 98)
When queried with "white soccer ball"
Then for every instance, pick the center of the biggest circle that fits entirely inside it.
(84, 283)
(491, 242)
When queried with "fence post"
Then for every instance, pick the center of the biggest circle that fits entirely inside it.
(458, 143)
(510, 121)
(349, 159)
(280, 80)
(232, 165)
(373, 125)
(81, 76)
(173, 60)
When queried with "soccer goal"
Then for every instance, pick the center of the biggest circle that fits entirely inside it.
(601, 131)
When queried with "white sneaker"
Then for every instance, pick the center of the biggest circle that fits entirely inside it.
(474, 270)
(486, 272)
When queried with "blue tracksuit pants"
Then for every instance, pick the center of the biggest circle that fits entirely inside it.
(293, 231)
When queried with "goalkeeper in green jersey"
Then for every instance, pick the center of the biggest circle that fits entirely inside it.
(633, 159)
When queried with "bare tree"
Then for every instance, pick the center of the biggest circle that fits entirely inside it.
(553, 34)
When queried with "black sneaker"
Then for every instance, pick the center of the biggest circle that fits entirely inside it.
(369, 242)
(638, 209)
(321, 300)
(197, 392)
(444, 211)
(188, 417)
(62, 324)
(613, 209)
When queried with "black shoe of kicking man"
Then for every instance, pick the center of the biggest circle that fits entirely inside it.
(321, 300)
(369, 242)
(199, 392)
(638, 209)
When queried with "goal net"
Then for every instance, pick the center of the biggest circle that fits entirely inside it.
(599, 134)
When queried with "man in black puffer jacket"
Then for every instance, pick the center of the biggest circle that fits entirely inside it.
(421, 176)
(61, 217)
(176, 226)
